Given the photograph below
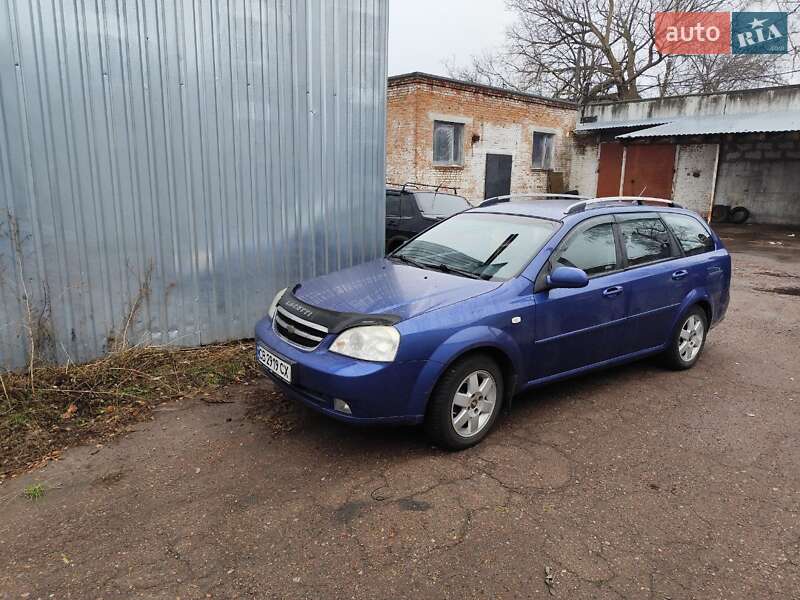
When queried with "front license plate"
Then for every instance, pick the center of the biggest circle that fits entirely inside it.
(281, 368)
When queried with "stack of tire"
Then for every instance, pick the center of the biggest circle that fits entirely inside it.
(722, 213)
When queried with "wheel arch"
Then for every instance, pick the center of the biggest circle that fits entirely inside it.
(706, 306)
(696, 297)
(507, 356)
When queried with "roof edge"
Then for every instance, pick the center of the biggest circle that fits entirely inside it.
(421, 77)
(793, 86)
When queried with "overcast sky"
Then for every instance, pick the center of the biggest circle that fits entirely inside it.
(423, 34)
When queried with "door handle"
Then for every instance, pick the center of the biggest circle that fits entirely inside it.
(614, 290)
(714, 270)
(680, 274)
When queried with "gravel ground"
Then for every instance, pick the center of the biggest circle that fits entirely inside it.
(635, 482)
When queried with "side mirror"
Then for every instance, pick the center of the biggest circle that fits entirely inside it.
(567, 277)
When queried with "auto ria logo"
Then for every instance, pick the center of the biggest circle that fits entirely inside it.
(722, 32)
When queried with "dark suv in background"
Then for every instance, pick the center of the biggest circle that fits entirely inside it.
(413, 207)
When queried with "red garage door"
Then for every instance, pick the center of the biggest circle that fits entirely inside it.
(609, 169)
(649, 170)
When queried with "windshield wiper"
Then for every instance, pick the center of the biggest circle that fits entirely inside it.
(455, 270)
(409, 261)
(444, 268)
(500, 249)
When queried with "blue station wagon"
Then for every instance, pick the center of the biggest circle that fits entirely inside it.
(493, 301)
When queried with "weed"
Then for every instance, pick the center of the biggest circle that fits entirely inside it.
(17, 420)
(34, 491)
(105, 395)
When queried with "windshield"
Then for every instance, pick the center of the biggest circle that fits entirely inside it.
(440, 205)
(479, 245)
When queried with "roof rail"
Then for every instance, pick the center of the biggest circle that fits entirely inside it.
(635, 200)
(533, 195)
(419, 186)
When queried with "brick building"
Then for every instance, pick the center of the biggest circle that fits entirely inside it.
(483, 140)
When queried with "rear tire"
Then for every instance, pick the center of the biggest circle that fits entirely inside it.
(720, 213)
(739, 215)
(465, 403)
(688, 340)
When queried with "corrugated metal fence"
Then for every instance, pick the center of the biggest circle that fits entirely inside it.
(167, 165)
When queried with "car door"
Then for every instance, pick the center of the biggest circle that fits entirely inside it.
(657, 282)
(579, 327)
(393, 219)
(707, 268)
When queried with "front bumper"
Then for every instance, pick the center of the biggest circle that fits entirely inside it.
(375, 392)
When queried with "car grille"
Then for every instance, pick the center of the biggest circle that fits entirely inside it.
(299, 332)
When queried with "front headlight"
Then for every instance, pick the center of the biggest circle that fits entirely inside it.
(274, 306)
(372, 342)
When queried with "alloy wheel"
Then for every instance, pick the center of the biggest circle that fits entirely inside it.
(690, 339)
(474, 403)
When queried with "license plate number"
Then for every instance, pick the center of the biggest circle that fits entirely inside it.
(280, 367)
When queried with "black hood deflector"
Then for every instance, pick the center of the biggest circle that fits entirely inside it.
(335, 321)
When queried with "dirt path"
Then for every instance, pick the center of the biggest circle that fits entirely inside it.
(632, 483)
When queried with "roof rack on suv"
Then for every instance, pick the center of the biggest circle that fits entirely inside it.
(599, 202)
(533, 195)
(418, 186)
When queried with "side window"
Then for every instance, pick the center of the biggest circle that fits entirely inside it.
(407, 209)
(645, 241)
(690, 233)
(592, 250)
(543, 150)
(448, 145)
(392, 205)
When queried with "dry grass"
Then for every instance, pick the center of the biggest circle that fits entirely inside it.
(48, 408)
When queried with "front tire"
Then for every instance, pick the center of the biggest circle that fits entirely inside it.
(465, 403)
(688, 340)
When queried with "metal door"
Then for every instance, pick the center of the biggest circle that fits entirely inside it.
(649, 170)
(498, 175)
(609, 169)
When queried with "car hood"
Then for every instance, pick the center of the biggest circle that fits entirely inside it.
(385, 287)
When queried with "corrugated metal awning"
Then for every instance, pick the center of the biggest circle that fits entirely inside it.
(783, 120)
(586, 127)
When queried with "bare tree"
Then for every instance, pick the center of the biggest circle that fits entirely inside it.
(605, 49)
(721, 73)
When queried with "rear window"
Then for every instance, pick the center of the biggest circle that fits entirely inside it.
(440, 205)
(645, 240)
(690, 233)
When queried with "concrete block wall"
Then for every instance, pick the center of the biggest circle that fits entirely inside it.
(494, 123)
(693, 182)
(583, 167)
(762, 173)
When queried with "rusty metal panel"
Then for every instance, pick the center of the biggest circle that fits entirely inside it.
(649, 170)
(609, 169)
(167, 165)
